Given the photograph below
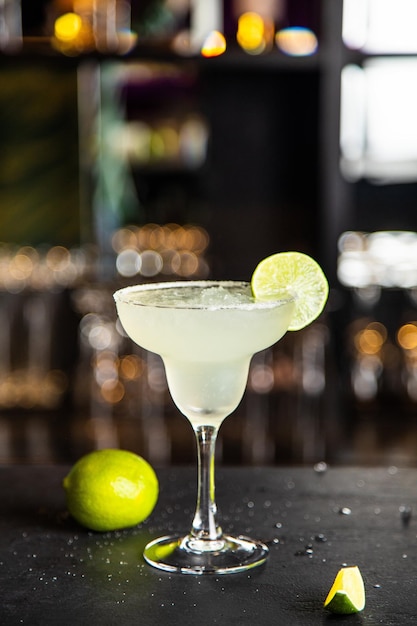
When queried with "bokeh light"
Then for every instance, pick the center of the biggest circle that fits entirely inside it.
(128, 262)
(112, 391)
(386, 259)
(105, 365)
(44, 268)
(261, 378)
(68, 27)
(92, 27)
(370, 340)
(407, 336)
(214, 45)
(251, 33)
(169, 249)
(131, 367)
(297, 41)
(167, 140)
(73, 34)
(151, 263)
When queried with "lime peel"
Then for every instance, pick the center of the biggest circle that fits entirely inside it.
(295, 274)
(347, 594)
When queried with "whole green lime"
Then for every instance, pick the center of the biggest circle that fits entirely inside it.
(111, 489)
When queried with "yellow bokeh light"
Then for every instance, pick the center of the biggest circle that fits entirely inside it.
(73, 34)
(214, 45)
(407, 336)
(251, 32)
(68, 27)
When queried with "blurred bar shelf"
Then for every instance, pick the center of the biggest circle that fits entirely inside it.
(235, 58)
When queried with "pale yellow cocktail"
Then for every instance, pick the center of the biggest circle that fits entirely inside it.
(206, 333)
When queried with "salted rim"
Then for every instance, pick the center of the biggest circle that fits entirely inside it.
(122, 295)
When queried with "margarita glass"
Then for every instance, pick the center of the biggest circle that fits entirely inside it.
(206, 333)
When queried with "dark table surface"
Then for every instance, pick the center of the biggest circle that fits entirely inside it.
(54, 572)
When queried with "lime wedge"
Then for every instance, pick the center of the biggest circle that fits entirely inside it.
(295, 274)
(347, 594)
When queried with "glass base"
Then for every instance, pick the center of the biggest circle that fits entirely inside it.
(188, 555)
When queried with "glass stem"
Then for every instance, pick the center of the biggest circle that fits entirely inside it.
(204, 524)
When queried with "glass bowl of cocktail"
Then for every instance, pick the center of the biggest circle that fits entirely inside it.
(206, 333)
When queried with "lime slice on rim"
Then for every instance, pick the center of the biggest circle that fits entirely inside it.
(347, 594)
(295, 274)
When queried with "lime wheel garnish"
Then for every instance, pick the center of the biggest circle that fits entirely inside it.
(295, 274)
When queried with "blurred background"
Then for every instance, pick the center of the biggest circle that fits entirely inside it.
(178, 139)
